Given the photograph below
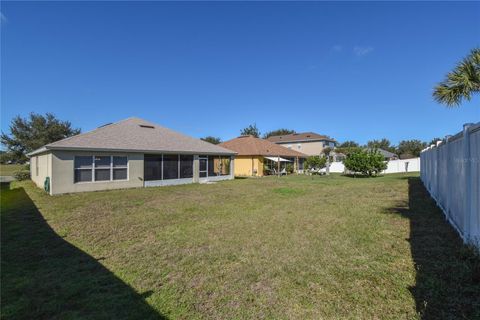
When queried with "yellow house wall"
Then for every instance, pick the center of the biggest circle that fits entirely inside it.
(249, 166)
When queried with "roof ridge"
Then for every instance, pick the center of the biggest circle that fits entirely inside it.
(91, 131)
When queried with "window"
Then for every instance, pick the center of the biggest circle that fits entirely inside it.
(100, 168)
(120, 168)
(299, 146)
(186, 166)
(170, 166)
(83, 168)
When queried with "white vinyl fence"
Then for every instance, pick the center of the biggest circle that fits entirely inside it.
(394, 166)
(451, 173)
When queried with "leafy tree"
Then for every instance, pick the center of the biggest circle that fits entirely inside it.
(251, 130)
(381, 144)
(461, 82)
(347, 147)
(348, 144)
(410, 148)
(278, 132)
(5, 157)
(327, 151)
(33, 132)
(211, 139)
(369, 163)
(315, 162)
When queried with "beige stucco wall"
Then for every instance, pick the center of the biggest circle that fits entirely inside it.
(62, 180)
(313, 148)
(40, 168)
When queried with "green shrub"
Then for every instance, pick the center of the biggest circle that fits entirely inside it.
(369, 163)
(21, 175)
(315, 162)
(289, 168)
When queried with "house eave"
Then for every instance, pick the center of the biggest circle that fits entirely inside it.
(54, 148)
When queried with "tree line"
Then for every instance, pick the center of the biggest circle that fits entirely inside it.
(405, 148)
(36, 130)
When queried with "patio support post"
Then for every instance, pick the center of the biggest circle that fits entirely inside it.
(196, 169)
(278, 165)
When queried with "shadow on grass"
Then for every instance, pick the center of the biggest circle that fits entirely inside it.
(448, 272)
(45, 277)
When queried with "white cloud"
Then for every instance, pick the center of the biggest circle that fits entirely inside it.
(362, 51)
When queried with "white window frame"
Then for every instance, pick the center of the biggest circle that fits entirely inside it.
(121, 167)
(111, 169)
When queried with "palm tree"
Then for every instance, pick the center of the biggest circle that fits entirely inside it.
(461, 82)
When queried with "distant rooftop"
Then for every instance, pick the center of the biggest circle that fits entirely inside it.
(251, 146)
(385, 153)
(296, 137)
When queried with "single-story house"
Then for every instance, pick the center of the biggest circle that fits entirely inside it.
(309, 143)
(127, 154)
(259, 157)
(387, 155)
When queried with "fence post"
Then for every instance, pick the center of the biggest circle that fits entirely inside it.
(468, 180)
(448, 173)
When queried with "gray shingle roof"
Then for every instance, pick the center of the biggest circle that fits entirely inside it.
(385, 153)
(135, 135)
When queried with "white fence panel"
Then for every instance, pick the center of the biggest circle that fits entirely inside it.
(337, 167)
(394, 166)
(405, 165)
(450, 171)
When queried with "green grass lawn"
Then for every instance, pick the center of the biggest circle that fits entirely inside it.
(278, 248)
(9, 169)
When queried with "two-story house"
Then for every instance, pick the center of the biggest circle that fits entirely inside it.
(309, 143)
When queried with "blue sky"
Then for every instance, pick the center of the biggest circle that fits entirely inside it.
(351, 70)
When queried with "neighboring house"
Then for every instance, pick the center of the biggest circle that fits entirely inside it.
(386, 154)
(127, 154)
(309, 143)
(259, 157)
